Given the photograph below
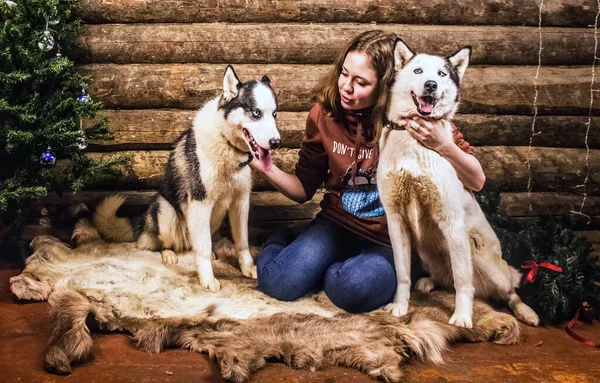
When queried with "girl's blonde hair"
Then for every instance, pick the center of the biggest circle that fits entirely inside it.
(378, 46)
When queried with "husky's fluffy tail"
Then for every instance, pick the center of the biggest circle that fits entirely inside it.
(111, 227)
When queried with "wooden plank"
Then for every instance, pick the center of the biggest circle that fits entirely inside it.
(159, 128)
(486, 89)
(568, 13)
(321, 43)
(553, 169)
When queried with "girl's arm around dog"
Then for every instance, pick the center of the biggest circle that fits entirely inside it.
(467, 167)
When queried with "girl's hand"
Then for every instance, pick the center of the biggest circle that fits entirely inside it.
(257, 165)
(430, 133)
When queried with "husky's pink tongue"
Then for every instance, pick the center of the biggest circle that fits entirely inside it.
(264, 156)
(426, 104)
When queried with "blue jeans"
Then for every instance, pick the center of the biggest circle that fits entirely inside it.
(357, 275)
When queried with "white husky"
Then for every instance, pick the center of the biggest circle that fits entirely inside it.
(206, 177)
(426, 204)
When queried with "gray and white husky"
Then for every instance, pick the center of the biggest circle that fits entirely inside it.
(206, 177)
(426, 204)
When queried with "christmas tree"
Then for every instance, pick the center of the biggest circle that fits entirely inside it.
(554, 295)
(42, 103)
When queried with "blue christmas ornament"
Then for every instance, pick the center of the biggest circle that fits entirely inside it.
(48, 159)
(84, 97)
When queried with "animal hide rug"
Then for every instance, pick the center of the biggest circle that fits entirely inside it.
(125, 289)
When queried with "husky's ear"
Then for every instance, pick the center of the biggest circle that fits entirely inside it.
(402, 53)
(460, 60)
(266, 80)
(231, 84)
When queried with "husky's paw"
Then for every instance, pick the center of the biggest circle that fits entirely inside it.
(425, 285)
(461, 320)
(396, 309)
(526, 314)
(249, 270)
(168, 257)
(211, 284)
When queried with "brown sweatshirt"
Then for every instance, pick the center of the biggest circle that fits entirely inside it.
(329, 153)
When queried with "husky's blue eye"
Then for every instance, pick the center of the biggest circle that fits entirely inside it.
(418, 71)
(256, 113)
(442, 74)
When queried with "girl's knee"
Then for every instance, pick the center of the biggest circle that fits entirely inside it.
(275, 289)
(360, 287)
(280, 283)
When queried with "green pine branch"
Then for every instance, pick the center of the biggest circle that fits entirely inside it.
(39, 106)
(555, 296)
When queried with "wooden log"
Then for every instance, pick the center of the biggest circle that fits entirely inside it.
(269, 208)
(593, 236)
(257, 233)
(552, 169)
(568, 13)
(159, 128)
(321, 43)
(272, 205)
(568, 221)
(565, 208)
(486, 89)
(548, 204)
(515, 130)
(146, 169)
(264, 206)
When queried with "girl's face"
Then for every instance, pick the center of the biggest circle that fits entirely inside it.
(358, 82)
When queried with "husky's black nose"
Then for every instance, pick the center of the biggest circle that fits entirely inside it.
(274, 143)
(430, 86)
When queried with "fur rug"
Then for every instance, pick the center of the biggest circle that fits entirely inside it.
(125, 289)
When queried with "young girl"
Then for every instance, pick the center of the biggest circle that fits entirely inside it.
(346, 249)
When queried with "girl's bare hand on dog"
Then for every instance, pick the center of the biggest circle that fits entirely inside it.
(257, 165)
(430, 133)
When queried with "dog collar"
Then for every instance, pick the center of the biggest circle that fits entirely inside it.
(247, 162)
(394, 126)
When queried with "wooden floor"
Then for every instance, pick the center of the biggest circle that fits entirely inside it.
(546, 354)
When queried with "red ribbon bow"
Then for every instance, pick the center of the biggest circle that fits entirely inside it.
(534, 268)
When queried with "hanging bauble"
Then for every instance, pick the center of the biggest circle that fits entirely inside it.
(587, 312)
(84, 97)
(48, 158)
(46, 41)
(58, 56)
(81, 141)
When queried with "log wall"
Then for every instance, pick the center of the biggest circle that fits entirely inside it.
(154, 62)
